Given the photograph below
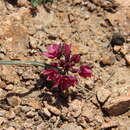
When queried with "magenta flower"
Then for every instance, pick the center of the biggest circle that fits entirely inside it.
(57, 81)
(67, 51)
(51, 74)
(53, 51)
(64, 81)
(54, 64)
(67, 81)
(85, 71)
(75, 58)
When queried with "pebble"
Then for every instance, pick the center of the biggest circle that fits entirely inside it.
(52, 109)
(2, 84)
(54, 119)
(10, 115)
(30, 114)
(17, 110)
(2, 113)
(28, 124)
(77, 2)
(108, 60)
(46, 112)
(103, 95)
(2, 120)
(117, 48)
(14, 101)
(75, 107)
(34, 103)
(2, 93)
(9, 87)
(28, 75)
(87, 113)
(11, 128)
(109, 125)
(117, 39)
(40, 127)
(127, 58)
(33, 43)
(25, 109)
(129, 114)
(36, 118)
(118, 105)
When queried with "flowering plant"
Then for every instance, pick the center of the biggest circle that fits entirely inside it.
(59, 72)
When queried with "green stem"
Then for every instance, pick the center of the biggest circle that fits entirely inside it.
(17, 62)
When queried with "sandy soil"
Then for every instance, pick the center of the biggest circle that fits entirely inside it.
(98, 29)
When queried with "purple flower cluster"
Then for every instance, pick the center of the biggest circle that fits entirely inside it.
(59, 71)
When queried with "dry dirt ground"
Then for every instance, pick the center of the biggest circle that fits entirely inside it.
(98, 29)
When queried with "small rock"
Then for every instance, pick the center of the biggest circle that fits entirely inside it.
(33, 43)
(129, 114)
(2, 120)
(99, 118)
(87, 113)
(54, 119)
(46, 112)
(75, 107)
(108, 60)
(127, 58)
(52, 109)
(9, 75)
(2, 93)
(40, 127)
(19, 72)
(122, 81)
(82, 122)
(89, 84)
(103, 95)
(25, 109)
(117, 48)
(27, 124)
(14, 101)
(117, 39)
(118, 105)
(17, 110)
(30, 114)
(80, 48)
(9, 87)
(109, 125)
(11, 128)
(125, 49)
(28, 75)
(77, 1)
(34, 103)
(2, 113)
(2, 84)
(10, 115)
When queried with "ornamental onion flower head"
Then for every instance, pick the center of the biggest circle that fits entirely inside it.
(59, 72)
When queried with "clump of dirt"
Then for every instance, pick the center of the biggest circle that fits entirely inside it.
(90, 26)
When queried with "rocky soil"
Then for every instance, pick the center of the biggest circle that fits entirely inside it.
(98, 29)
